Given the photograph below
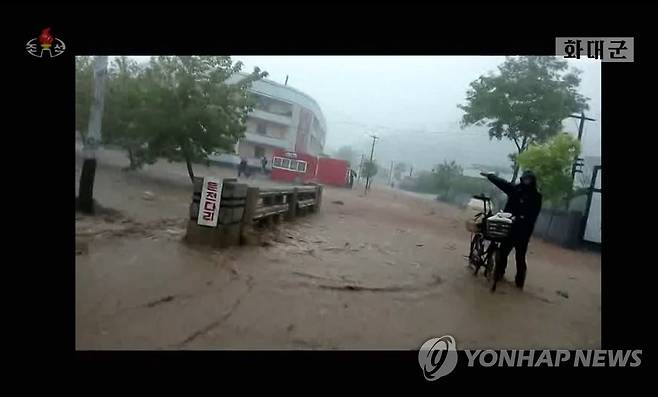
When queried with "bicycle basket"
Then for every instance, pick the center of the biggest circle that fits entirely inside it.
(497, 228)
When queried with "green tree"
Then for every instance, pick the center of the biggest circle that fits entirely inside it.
(123, 120)
(84, 81)
(551, 162)
(348, 154)
(370, 168)
(445, 174)
(425, 182)
(192, 110)
(525, 101)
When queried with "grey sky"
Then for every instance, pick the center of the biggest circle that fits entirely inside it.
(410, 101)
(403, 95)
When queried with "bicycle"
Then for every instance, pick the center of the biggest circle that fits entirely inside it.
(487, 231)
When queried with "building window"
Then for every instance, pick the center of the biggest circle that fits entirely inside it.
(259, 152)
(258, 101)
(261, 128)
(288, 164)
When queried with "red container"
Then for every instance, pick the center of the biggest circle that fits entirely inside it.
(293, 167)
(332, 172)
(298, 167)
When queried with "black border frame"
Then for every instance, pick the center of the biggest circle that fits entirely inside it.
(46, 91)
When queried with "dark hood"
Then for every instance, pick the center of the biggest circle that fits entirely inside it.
(531, 175)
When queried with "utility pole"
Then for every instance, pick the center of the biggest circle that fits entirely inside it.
(372, 151)
(578, 162)
(93, 139)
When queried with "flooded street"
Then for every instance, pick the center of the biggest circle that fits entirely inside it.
(386, 271)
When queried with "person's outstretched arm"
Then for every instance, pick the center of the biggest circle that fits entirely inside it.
(499, 182)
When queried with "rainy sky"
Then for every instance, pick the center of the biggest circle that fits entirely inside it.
(411, 103)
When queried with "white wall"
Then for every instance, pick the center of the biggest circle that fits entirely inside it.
(271, 129)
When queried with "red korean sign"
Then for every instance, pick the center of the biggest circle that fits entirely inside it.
(209, 206)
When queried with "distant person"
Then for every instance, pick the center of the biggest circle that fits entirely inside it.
(352, 176)
(263, 163)
(242, 168)
(524, 203)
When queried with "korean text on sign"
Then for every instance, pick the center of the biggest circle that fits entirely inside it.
(209, 205)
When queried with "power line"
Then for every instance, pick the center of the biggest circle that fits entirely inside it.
(578, 162)
(575, 123)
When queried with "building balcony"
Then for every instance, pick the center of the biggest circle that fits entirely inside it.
(271, 117)
(266, 140)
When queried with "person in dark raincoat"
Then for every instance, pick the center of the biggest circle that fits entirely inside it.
(263, 164)
(352, 176)
(524, 203)
(242, 168)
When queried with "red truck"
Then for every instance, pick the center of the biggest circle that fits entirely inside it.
(301, 167)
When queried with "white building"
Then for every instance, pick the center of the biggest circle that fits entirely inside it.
(283, 118)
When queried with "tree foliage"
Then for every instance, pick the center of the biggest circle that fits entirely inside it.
(84, 78)
(370, 168)
(181, 108)
(525, 101)
(446, 173)
(443, 177)
(551, 162)
(192, 111)
(125, 106)
(458, 190)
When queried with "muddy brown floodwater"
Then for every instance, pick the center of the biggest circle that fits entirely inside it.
(386, 271)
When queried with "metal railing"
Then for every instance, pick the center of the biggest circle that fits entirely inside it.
(287, 202)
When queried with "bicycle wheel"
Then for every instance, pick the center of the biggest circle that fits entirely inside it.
(491, 265)
(475, 255)
(470, 250)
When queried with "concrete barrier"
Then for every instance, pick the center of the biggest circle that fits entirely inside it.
(231, 211)
(244, 210)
